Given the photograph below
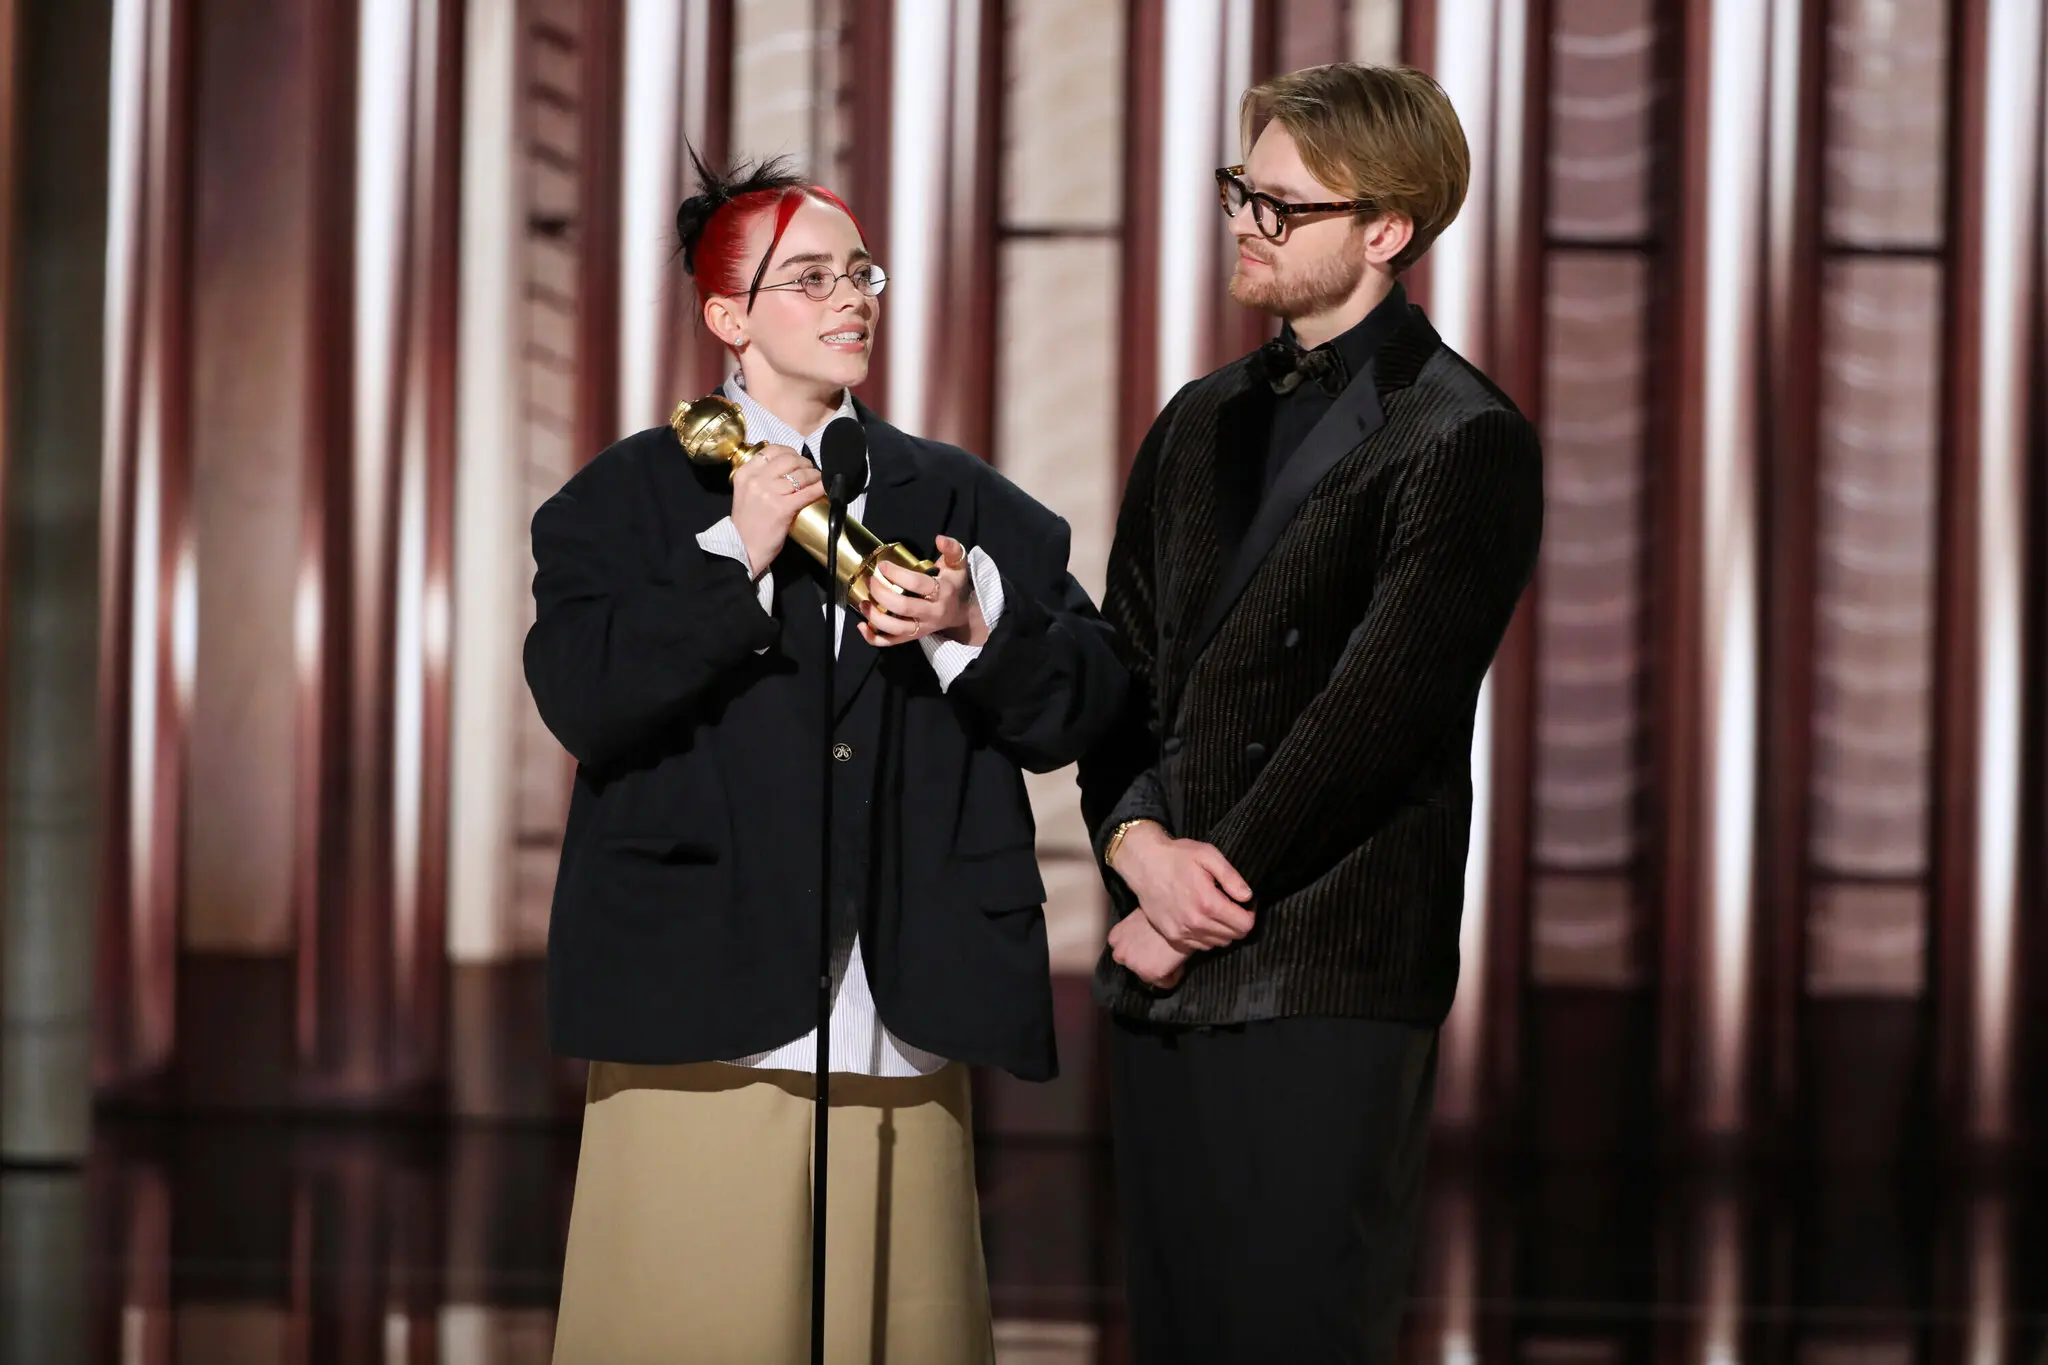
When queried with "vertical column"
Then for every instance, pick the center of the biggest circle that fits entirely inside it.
(1587, 914)
(1790, 485)
(1984, 598)
(320, 595)
(371, 955)
(256, 179)
(10, 96)
(53, 184)
(321, 601)
(1138, 321)
(512, 110)
(426, 551)
(599, 179)
(1864, 906)
(10, 156)
(1188, 66)
(549, 130)
(148, 605)
(1483, 281)
(1515, 360)
(943, 164)
(490, 586)
(1466, 59)
(677, 94)
(696, 361)
(356, 988)
(1198, 132)
(921, 88)
(1710, 718)
(650, 135)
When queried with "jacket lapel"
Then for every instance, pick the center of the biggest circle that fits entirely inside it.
(906, 502)
(1199, 525)
(1243, 422)
(1351, 422)
(1355, 418)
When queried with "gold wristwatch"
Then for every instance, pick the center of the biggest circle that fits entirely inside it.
(1116, 840)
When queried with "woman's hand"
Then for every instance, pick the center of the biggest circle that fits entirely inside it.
(908, 605)
(767, 493)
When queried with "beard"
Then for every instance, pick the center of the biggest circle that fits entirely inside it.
(1307, 288)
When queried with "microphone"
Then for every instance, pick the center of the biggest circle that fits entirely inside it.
(843, 460)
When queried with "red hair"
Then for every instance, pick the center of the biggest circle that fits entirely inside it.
(722, 264)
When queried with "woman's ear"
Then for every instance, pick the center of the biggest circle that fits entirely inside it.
(724, 322)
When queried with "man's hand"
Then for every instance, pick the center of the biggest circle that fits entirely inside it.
(1135, 944)
(767, 493)
(1188, 890)
(908, 605)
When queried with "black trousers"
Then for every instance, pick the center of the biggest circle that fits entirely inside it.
(1270, 1180)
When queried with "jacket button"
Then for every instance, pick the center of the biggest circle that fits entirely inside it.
(1290, 639)
(1172, 745)
(843, 752)
(1255, 751)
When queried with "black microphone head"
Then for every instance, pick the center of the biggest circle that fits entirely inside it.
(843, 456)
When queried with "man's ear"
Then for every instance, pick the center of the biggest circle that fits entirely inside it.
(1386, 237)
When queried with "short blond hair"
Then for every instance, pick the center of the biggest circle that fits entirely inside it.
(1383, 133)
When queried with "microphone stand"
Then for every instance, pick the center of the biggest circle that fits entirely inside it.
(821, 1127)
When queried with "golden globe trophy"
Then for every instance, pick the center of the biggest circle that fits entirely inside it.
(713, 432)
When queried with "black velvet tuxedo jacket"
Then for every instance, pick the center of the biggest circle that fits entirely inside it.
(1306, 670)
(685, 919)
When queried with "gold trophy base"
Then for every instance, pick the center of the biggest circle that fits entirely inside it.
(713, 432)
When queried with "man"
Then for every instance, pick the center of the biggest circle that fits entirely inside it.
(1320, 547)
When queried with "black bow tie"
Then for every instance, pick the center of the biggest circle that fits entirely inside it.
(1287, 364)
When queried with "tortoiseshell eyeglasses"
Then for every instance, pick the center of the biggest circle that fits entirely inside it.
(1272, 215)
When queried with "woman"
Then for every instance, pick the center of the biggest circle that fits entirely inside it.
(678, 653)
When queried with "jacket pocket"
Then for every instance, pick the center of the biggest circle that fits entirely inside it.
(1005, 879)
(652, 884)
(661, 849)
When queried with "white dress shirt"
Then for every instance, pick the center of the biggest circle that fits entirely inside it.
(860, 1043)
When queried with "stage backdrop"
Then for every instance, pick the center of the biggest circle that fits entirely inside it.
(1760, 767)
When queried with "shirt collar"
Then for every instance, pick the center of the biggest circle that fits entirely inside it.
(1362, 341)
(763, 425)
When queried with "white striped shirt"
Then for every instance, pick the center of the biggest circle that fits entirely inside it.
(860, 1043)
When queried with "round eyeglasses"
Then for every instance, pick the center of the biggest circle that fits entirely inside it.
(1271, 215)
(818, 282)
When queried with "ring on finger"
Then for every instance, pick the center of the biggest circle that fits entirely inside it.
(796, 482)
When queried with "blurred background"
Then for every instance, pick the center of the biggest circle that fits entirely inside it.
(309, 303)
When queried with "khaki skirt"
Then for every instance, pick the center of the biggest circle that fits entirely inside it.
(690, 1236)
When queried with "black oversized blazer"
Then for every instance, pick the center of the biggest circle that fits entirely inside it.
(1306, 669)
(685, 917)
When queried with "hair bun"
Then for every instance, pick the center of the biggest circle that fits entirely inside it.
(716, 189)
